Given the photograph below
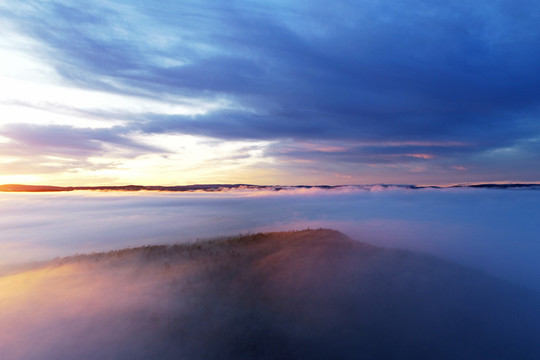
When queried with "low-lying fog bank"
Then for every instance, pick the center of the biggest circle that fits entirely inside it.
(297, 295)
(493, 230)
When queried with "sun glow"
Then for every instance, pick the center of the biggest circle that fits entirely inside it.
(184, 159)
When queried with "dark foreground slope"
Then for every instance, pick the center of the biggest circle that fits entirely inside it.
(299, 295)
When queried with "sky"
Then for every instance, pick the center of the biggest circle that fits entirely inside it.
(269, 92)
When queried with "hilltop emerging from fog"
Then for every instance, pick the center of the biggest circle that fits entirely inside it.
(232, 187)
(312, 294)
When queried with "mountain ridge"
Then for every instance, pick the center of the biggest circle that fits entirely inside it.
(233, 187)
(310, 294)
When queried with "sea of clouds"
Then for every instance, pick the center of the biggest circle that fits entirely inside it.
(494, 230)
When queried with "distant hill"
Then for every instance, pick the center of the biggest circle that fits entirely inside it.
(31, 188)
(485, 186)
(312, 294)
(228, 187)
(179, 188)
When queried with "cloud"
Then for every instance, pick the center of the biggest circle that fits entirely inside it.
(58, 140)
(50, 150)
(372, 72)
(368, 153)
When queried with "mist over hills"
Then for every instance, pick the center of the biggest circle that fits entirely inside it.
(312, 294)
(229, 187)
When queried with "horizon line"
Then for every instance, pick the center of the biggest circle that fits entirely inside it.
(217, 187)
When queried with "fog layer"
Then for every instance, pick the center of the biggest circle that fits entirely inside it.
(494, 230)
